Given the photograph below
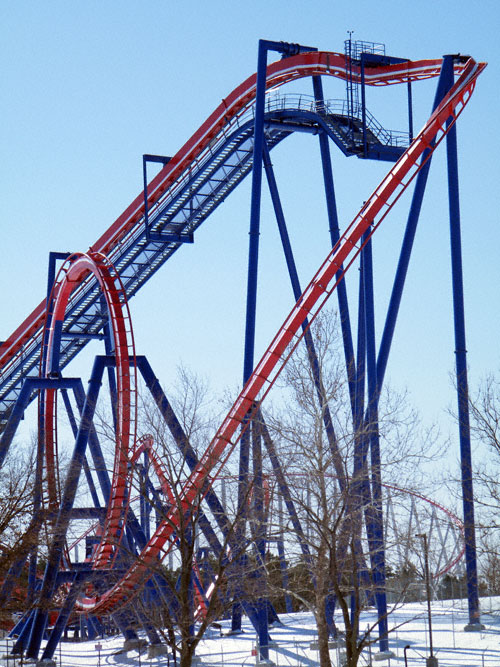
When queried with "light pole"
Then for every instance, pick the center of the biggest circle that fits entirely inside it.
(98, 648)
(431, 660)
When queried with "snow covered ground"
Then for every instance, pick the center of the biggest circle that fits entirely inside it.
(291, 642)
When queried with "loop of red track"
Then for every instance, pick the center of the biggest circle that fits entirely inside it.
(74, 271)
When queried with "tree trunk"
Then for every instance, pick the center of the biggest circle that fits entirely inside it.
(186, 658)
(323, 635)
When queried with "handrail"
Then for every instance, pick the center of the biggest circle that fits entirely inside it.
(231, 109)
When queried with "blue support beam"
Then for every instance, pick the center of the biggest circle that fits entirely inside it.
(63, 617)
(188, 452)
(406, 249)
(251, 306)
(297, 291)
(86, 467)
(333, 221)
(375, 519)
(461, 365)
(67, 500)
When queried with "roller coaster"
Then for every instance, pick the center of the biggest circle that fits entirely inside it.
(88, 297)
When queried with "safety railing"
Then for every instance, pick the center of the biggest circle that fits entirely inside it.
(338, 108)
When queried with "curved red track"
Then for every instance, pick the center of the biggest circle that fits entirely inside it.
(74, 270)
(453, 518)
(309, 305)
(236, 103)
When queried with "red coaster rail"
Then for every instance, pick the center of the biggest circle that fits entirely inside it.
(126, 228)
(74, 270)
(289, 335)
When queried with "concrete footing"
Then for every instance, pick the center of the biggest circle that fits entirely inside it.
(383, 655)
(156, 650)
(134, 644)
(474, 627)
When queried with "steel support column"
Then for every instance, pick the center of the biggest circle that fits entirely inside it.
(461, 365)
(375, 510)
(333, 222)
(253, 256)
(297, 291)
(406, 248)
(67, 500)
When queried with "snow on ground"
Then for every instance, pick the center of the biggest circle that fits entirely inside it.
(291, 643)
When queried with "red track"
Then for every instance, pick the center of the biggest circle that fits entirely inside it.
(74, 270)
(288, 336)
(453, 518)
(278, 73)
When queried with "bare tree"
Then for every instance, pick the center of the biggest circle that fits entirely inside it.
(19, 531)
(196, 582)
(485, 430)
(333, 488)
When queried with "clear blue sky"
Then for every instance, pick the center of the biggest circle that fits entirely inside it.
(88, 87)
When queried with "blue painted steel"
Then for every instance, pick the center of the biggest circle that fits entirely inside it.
(297, 291)
(333, 221)
(374, 528)
(30, 386)
(63, 617)
(18, 628)
(374, 511)
(410, 111)
(253, 251)
(251, 306)
(159, 159)
(15, 570)
(284, 576)
(285, 491)
(109, 347)
(253, 257)
(145, 506)
(51, 276)
(149, 629)
(406, 248)
(461, 364)
(360, 364)
(185, 447)
(24, 633)
(360, 493)
(122, 620)
(67, 500)
(99, 463)
(363, 107)
(258, 520)
(86, 467)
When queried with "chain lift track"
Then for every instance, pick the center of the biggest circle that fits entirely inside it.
(182, 195)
